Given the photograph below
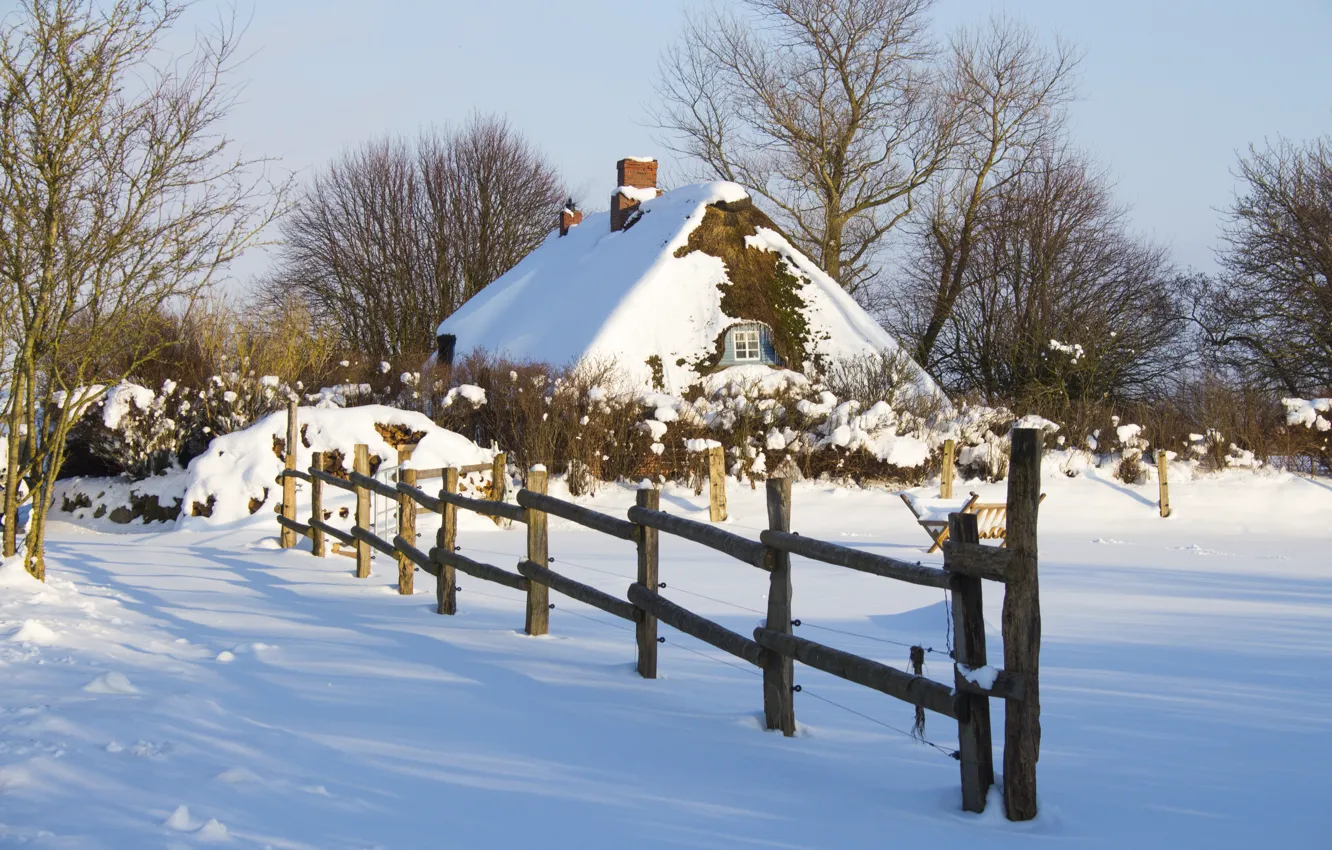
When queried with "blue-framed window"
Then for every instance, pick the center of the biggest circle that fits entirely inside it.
(749, 342)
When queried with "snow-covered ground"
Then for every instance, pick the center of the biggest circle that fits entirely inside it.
(201, 687)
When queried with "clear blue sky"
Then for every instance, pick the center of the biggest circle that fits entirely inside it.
(1171, 88)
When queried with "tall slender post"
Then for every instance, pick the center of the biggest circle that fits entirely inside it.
(779, 670)
(947, 473)
(975, 745)
(538, 551)
(316, 506)
(287, 538)
(499, 470)
(361, 463)
(1162, 469)
(1022, 626)
(648, 576)
(446, 583)
(717, 484)
(406, 523)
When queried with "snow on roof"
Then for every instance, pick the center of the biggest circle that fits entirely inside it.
(626, 297)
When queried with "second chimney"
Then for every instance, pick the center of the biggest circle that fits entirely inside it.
(570, 216)
(637, 182)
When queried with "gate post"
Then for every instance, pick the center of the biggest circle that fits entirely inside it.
(1022, 626)
(779, 670)
(975, 745)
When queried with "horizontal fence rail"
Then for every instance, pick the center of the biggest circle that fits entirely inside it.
(916, 690)
(605, 523)
(586, 594)
(741, 548)
(773, 647)
(695, 626)
(865, 562)
(477, 569)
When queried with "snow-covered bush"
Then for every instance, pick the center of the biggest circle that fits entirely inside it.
(140, 431)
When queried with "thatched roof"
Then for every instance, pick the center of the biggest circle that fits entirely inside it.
(658, 297)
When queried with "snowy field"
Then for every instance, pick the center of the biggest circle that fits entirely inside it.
(193, 689)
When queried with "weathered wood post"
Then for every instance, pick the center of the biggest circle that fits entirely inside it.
(316, 506)
(717, 484)
(406, 523)
(499, 469)
(538, 552)
(361, 464)
(1022, 626)
(947, 473)
(446, 583)
(779, 670)
(975, 744)
(287, 537)
(648, 575)
(1162, 468)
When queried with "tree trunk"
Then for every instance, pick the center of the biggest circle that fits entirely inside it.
(12, 472)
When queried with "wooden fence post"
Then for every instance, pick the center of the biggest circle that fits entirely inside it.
(1022, 626)
(499, 468)
(446, 583)
(717, 484)
(287, 537)
(538, 551)
(1162, 468)
(361, 463)
(406, 523)
(316, 506)
(975, 745)
(946, 475)
(779, 670)
(649, 577)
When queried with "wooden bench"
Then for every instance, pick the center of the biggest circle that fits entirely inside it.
(991, 518)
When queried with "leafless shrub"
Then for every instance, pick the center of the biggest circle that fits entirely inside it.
(395, 235)
(1269, 316)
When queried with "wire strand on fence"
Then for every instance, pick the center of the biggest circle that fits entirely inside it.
(739, 607)
(950, 753)
(491, 595)
(928, 649)
(490, 552)
(593, 619)
(591, 569)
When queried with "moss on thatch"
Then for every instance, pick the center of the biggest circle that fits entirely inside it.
(760, 287)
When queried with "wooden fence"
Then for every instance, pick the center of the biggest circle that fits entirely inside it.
(773, 647)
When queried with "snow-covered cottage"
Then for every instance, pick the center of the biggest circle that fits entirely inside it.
(672, 286)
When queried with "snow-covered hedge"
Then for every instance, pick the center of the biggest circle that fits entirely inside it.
(237, 475)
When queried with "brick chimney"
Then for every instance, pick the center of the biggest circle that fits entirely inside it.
(570, 216)
(637, 182)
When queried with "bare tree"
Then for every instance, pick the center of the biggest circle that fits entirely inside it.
(492, 199)
(394, 236)
(826, 108)
(1270, 313)
(119, 193)
(1009, 92)
(1062, 304)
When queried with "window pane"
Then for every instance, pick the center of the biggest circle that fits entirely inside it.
(746, 344)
